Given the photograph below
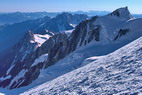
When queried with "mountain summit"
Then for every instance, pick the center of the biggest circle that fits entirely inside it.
(122, 13)
(59, 54)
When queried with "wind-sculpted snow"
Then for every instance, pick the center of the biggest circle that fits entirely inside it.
(117, 73)
(93, 38)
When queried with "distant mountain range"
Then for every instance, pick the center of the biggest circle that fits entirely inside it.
(24, 38)
(33, 52)
(10, 18)
(137, 15)
(61, 22)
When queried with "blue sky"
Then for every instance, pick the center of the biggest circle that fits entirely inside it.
(135, 6)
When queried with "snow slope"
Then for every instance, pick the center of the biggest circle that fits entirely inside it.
(68, 32)
(116, 73)
(96, 49)
(42, 58)
(40, 39)
(2, 94)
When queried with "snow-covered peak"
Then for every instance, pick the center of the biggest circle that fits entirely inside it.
(122, 13)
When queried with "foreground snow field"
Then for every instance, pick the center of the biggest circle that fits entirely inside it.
(98, 44)
(117, 73)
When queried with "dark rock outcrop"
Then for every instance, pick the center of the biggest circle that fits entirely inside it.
(59, 46)
(121, 33)
(62, 22)
(18, 53)
(122, 13)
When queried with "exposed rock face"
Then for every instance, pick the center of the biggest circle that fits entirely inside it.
(17, 55)
(77, 39)
(61, 22)
(60, 45)
(57, 47)
(33, 71)
(52, 42)
(25, 52)
(57, 24)
(122, 13)
(121, 33)
(86, 32)
(24, 61)
(118, 73)
(12, 34)
(21, 50)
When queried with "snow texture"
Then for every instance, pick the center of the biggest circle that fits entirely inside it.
(94, 51)
(42, 58)
(40, 39)
(4, 78)
(117, 73)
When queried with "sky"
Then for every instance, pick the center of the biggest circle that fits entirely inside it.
(135, 6)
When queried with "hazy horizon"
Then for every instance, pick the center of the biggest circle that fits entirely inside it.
(68, 6)
(64, 11)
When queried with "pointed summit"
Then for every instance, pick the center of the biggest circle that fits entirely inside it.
(122, 13)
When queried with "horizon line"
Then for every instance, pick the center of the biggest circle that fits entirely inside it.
(62, 11)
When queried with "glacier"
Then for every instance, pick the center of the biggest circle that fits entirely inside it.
(116, 73)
